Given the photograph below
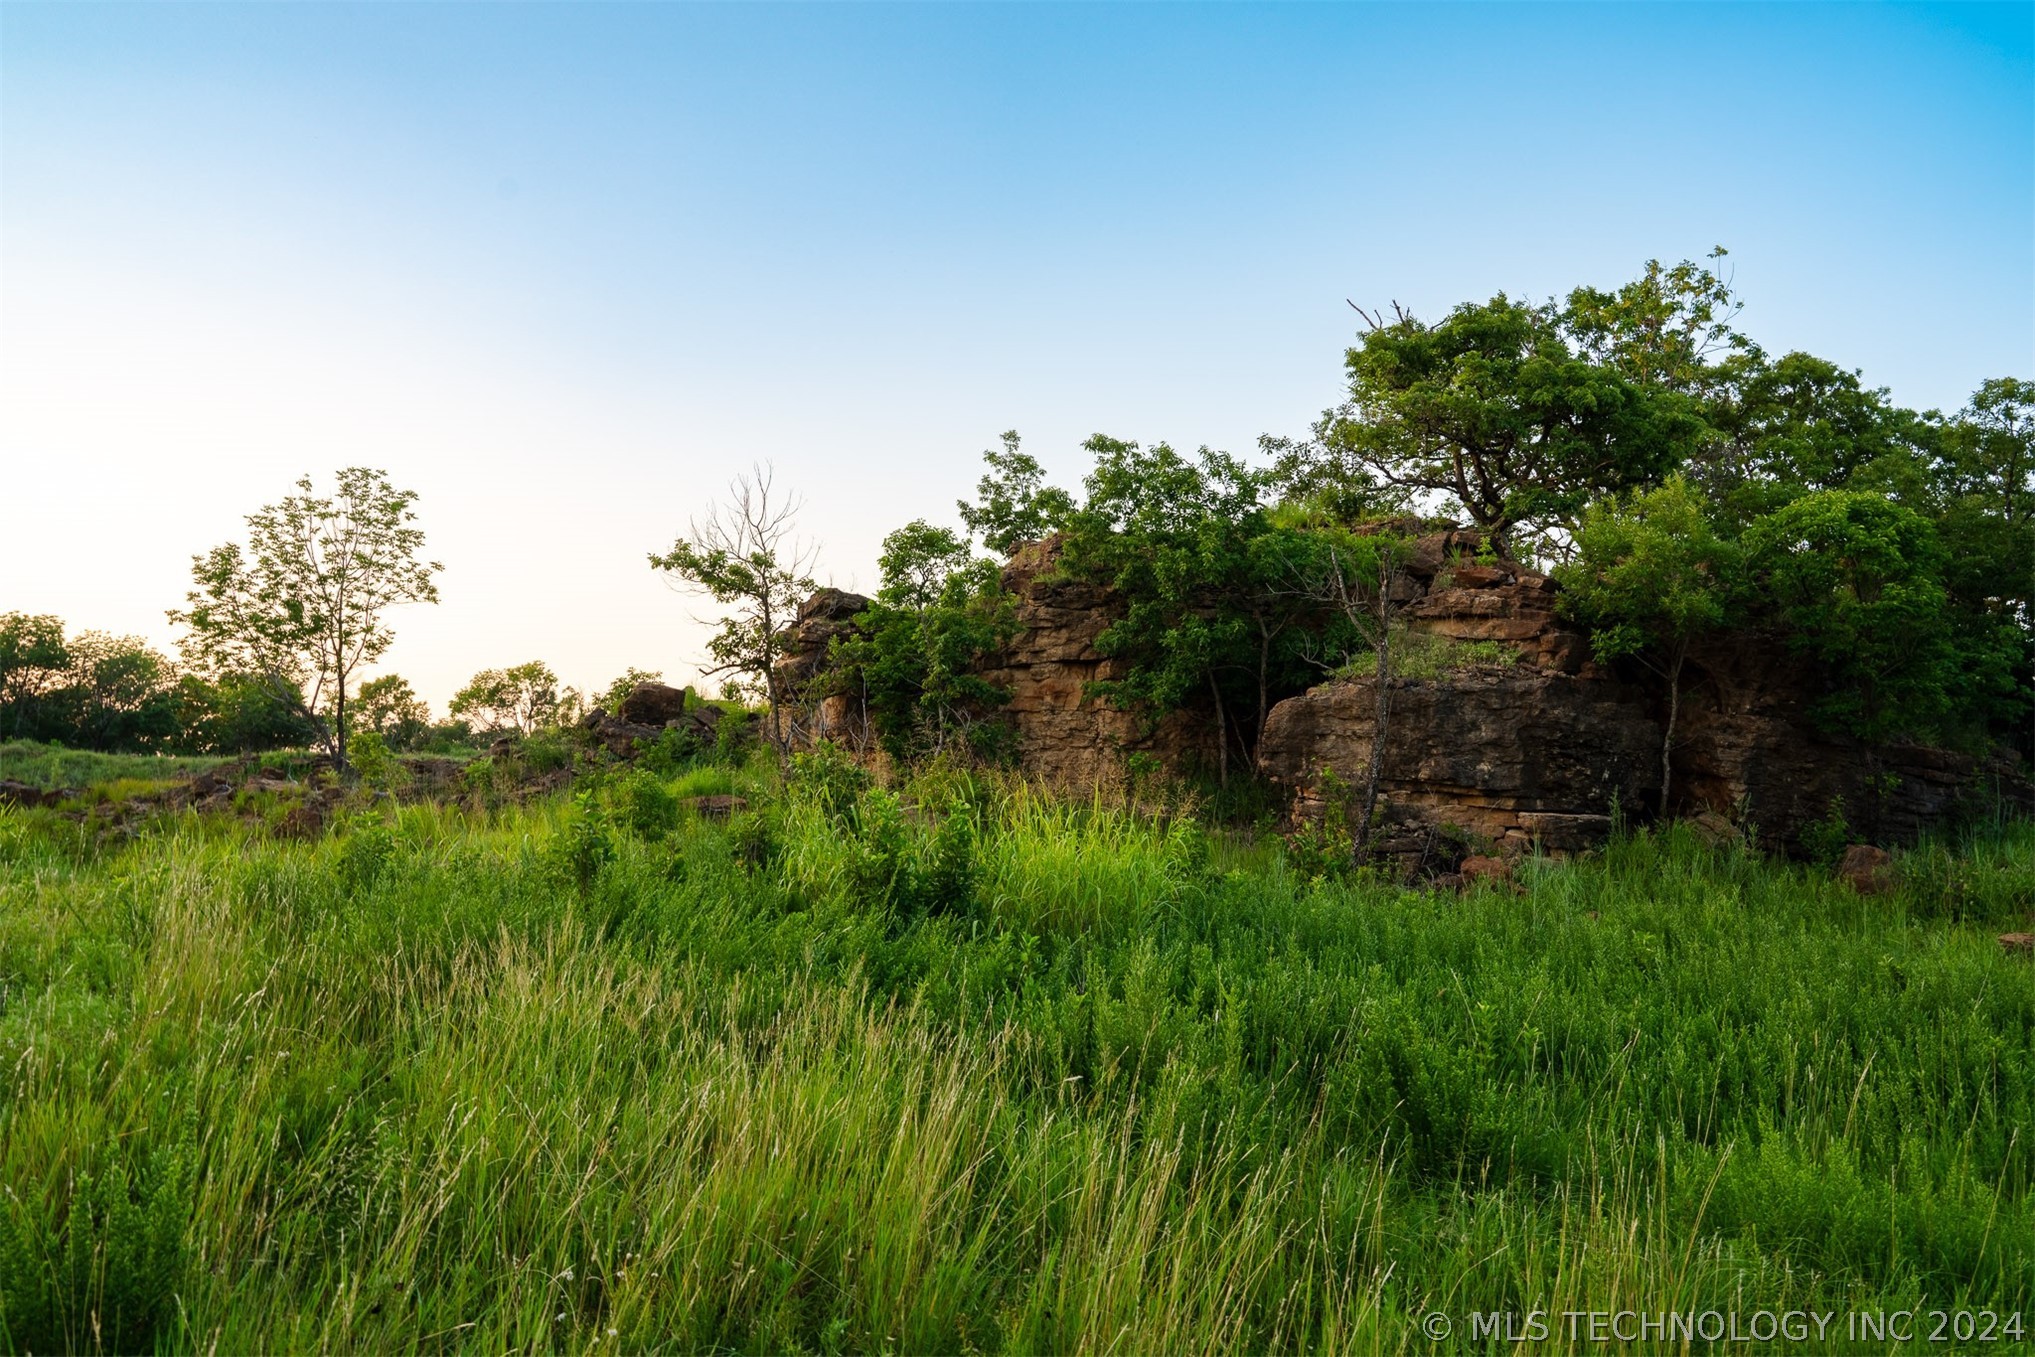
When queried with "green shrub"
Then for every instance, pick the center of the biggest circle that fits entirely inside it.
(547, 751)
(584, 846)
(893, 864)
(644, 805)
(366, 852)
(828, 779)
(1824, 841)
(673, 751)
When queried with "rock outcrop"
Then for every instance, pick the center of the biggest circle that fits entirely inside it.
(643, 716)
(1066, 736)
(1514, 737)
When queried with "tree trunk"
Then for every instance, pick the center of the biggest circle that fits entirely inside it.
(1264, 667)
(1361, 841)
(1668, 736)
(1221, 734)
(339, 724)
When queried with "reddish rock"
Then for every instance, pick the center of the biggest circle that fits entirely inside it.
(1866, 869)
(1475, 869)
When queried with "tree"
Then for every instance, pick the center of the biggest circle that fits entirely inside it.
(390, 708)
(524, 698)
(937, 614)
(32, 658)
(1667, 329)
(1355, 576)
(1013, 503)
(237, 714)
(1787, 427)
(1495, 413)
(118, 693)
(1649, 577)
(1855, 581)
(745, 556)
(302, 606)
(1171, 537)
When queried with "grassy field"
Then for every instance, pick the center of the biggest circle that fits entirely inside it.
(50, 766)
(968, 1069)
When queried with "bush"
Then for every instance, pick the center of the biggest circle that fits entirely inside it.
(891, 864)
(644, 805)
(584, 847)
(828, 779)
(672, 752)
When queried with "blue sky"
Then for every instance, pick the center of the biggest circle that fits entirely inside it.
(564, 268)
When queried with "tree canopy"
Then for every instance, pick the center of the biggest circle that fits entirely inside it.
(304, 603)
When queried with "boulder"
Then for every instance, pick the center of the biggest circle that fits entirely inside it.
(1715, 830)
(1479, 868)
(652, 704)
(1866, 869)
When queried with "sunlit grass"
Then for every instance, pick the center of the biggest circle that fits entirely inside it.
(423, 1083)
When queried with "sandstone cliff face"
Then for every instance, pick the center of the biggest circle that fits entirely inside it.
(1747, 748)
(1536, 750)
(1065, 736)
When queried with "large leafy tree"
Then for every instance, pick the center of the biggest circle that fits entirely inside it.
(33, 657)
(1650, 576)
(1669, 329)
(745, 555)
(1496, 414)
(1013, 503)
(304, 604)
(1855, 581)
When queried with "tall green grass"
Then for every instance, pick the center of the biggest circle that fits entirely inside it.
(967, 1068)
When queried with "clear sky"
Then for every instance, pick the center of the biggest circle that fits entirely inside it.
(563, 269)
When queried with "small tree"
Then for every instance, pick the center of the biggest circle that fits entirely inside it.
(1650, 576)
(1355, 577)
(938, 613)
(745, 556)
(391, 709)
(1013, 504)
(302, 605)
(525, 698)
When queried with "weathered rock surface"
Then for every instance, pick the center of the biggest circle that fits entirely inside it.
(652, 704)
(1065, 736)
(1536, 749)
(1506, 756)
